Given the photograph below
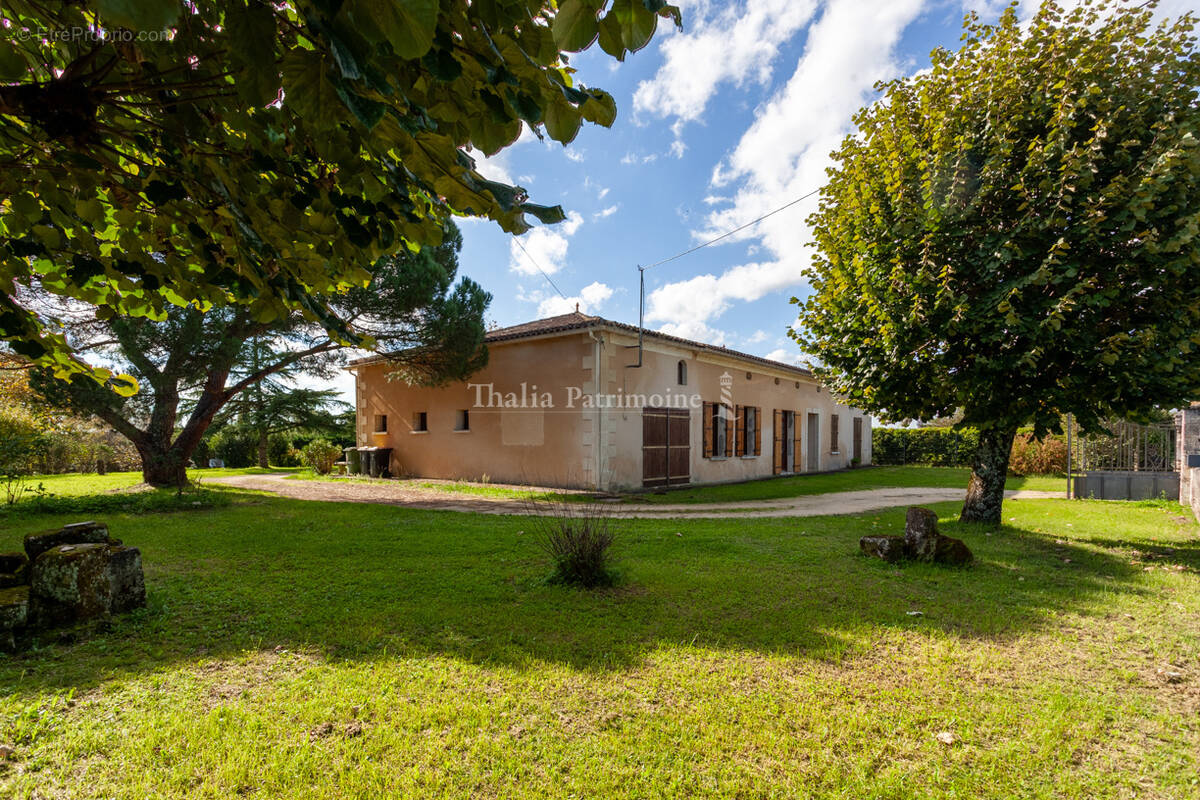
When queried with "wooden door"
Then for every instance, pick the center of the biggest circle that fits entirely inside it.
(814, 443)
(679, 446)
(666, 446)
(857, 452)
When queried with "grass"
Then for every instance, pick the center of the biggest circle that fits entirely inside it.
(74, 484)
(451, 487)
(845, 481)
(324, 650)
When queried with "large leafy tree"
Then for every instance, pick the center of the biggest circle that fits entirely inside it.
(1013, 233)
(193, 364)
(276, 403)
(162, 152)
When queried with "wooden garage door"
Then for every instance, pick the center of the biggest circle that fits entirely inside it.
(666, 452)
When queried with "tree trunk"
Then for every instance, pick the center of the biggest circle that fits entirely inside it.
(985, 492)
(163, 467)
(263, 460)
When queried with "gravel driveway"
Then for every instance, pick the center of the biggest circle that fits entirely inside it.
(410, 495)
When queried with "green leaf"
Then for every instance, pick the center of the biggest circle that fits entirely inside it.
(139, 15)
(575, 26)
(610, 37)
(600, 108)
(562, 121)
(637, 23)
(252, 46)
(308, 89)
(12, 63)
(408, 25)
(547, 215)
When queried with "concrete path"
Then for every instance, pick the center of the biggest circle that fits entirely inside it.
(409, 496)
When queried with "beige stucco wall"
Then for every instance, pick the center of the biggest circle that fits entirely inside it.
(752, 385)
(543, 446)
(564, 436)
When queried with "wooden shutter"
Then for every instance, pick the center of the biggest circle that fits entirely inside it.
(708, 430)
(758, 422)
(833, 433)
(797, 440)
(778, 431)
(739, 426)
(729, 426)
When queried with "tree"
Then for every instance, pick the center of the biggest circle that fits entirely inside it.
(275, 404)
(158, 153)
(194, 363)
(1014, 232)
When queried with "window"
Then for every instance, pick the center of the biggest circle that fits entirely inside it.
(681, 373)
(420, 422)
(381, 423)
(750, 431)
(462, 420)
(719, 429)
(833, 433)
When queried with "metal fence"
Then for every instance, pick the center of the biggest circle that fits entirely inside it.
(1127, 461)
(1126, 447)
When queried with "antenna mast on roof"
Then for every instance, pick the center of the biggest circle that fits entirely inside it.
(641, 314)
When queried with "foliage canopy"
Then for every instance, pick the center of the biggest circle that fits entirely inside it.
(1014, 232)
(239, 151)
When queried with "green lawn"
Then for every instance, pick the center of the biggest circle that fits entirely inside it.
(317, 650)
(452, 487)
(73, 484)
(845, 481)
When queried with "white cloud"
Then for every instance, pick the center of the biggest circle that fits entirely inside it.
(696, 331)
(757, 337)
(784, 153)
(545, 247)
(784, 356)
(606, 212)
(628, 158)
(573, 155)
(678, 148)
(602, 193)
(735, 43)
(706, 296)
(589, 300)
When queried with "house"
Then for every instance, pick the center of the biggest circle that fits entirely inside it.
(574, 401)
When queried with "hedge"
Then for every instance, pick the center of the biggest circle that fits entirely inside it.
(937, 447)
(946, 447)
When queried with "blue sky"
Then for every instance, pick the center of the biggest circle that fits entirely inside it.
(717, 124)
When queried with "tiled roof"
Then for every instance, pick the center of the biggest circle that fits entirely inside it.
(578, 321)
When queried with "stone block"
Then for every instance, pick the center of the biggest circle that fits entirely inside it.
(14, 607)
(74, 582)
(953, 552)
(890, 548)
(921, 533)
(77, 533)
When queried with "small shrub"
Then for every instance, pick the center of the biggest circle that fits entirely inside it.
(578, 538)
(280, 452)
(1031, 457)
(237, 447)
(320, 455)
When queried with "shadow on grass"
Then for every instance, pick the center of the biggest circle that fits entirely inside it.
(359, 581)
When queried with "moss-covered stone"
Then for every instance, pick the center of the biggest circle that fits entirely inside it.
(76, 533)
(74, 582)
(14, 607)
(13, 561)
(18, 578)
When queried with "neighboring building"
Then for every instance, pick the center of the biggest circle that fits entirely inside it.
(563, 402)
